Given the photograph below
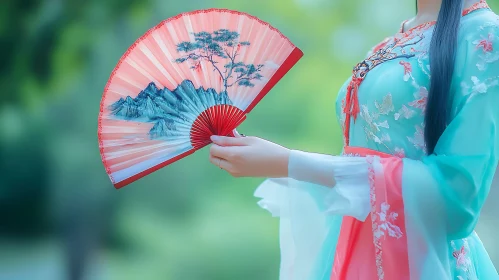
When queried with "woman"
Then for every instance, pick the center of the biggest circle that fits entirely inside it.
(420, 154)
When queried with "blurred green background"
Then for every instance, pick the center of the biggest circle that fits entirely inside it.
(60, 216)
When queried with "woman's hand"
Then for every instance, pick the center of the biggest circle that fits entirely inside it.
(249, 157)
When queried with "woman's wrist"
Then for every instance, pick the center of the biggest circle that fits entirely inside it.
(283, 164)
(312, 167)
(275, 164)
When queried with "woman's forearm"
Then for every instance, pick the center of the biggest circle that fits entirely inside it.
(326, 170)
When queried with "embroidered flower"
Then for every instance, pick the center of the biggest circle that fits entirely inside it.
(461, 258)
(486, 59)
(465, 269)
(368, 118)
(418, 139)
(383, 124)
(407, 70)
(373, 124)
(421, 99)
(386, 223)
(372, 136)
(485, 44)
(489, 54)
(385, 138)
(404, 112)
(386, 106)
(479, 87)
(399, 152)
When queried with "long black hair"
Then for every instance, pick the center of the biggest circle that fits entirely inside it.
(442, 52)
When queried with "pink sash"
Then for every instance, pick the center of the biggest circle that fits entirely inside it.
(376, 248)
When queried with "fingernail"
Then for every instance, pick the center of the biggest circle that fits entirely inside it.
(214, 138)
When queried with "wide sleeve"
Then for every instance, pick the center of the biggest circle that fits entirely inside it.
(337, 185)
(443, 193)
(311, 203)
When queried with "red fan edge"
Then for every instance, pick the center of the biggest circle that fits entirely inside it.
(292, 59)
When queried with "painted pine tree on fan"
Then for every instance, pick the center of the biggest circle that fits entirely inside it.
(222, 44)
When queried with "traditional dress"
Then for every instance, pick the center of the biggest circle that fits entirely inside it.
(393, 212)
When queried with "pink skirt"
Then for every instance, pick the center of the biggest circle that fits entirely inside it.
(377, 247)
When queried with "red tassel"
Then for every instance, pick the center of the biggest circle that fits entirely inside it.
(355, 99)
(351, 107)
(346, 131)
(352, 104)
(348, 97)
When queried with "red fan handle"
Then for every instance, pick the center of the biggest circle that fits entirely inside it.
(216, 120)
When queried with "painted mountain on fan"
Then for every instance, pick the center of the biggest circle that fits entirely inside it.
(167, 108)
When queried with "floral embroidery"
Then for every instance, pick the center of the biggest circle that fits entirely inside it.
(488, 55)
(379, 46)
(407, 70)
(418, 139)
(386, 53)
(373, 124)
(386, 106)
(351, 155)
(364, 113)
(479, 87)
(385, 137)
(404, 112)
(373, 128)
(421, 100)
(399, 152)
(383, 221)
(461, 254)
(423, 64)
(461, 258)
(393, 49)
(383, 124)
(387, 220)
(485, 44)
(374, 220)
(371, 136)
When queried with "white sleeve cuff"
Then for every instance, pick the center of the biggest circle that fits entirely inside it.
(346, 177)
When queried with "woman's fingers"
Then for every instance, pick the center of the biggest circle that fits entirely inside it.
(223, 152)
(228, 141)
(237, 134)
(216, 161)
(222, 164)
(217, 151)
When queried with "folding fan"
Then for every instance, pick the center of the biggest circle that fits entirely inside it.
(191, 76)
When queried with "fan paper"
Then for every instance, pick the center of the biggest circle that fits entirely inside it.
(192, 76)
